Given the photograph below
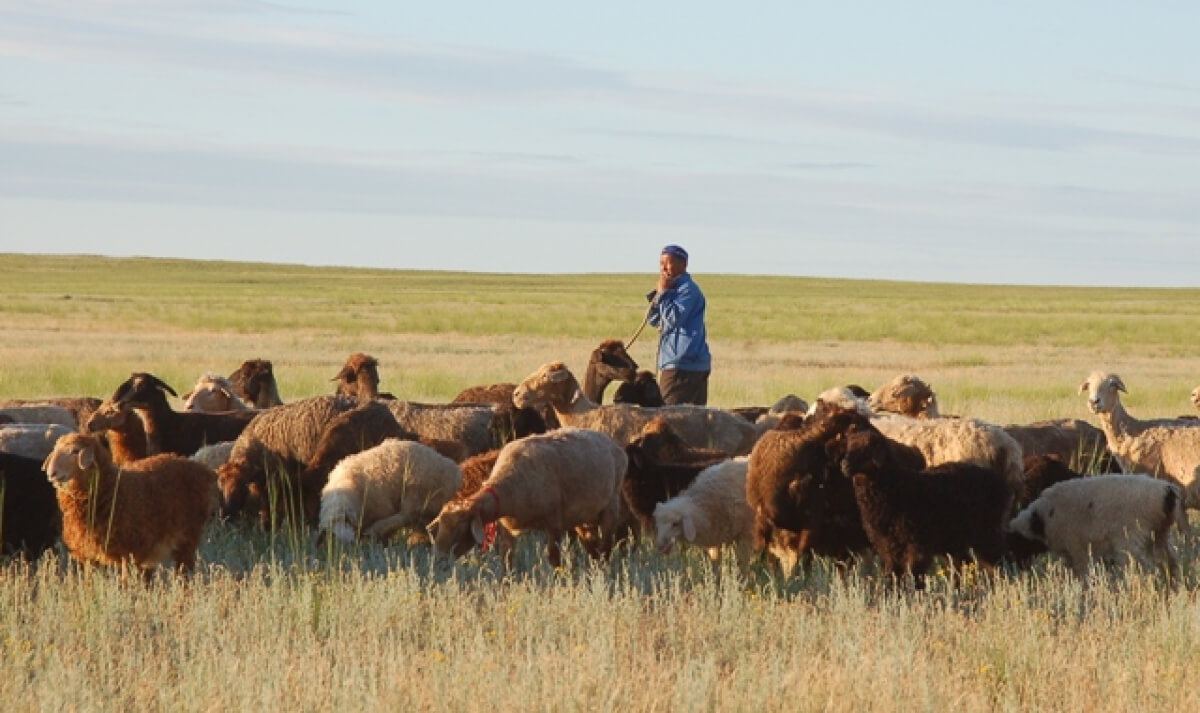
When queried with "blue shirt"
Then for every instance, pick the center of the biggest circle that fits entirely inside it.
(679, 314)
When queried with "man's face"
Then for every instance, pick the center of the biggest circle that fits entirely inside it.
(671, 266)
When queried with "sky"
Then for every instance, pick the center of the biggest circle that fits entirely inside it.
(1008, 142)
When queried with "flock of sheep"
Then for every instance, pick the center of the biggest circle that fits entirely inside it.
(132, 481)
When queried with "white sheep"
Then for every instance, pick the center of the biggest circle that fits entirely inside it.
(213, 393)
(31, 440)
(214, 455)
(395, 484)
(1164, 448)
(699, 426)
(552, 482)
(1106, 516)
(709, 513)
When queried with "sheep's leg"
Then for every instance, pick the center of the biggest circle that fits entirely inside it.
(554, 548)
(382, 530)
(185, 559)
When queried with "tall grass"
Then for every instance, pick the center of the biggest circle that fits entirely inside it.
(271, 620)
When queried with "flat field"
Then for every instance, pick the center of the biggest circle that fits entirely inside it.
(273, 621)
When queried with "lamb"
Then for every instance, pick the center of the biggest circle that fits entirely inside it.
(171, 431)
(1164, 448)
(643, 391)
(359, 378)
(1076, 442)
(31, 440)
(906, 395)
(158, 511)
(1106, 516)
(699, 426)
(608, 362)
(710, 513)
(254, 382)
(283, 438)
(382, 489)
(81, 407)
(569, 478)
(30, 521)
(911, 516)
(213, 393)
(41, 414)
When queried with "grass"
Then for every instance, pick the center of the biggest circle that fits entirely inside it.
(271, 620)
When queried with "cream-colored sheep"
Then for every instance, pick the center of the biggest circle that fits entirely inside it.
(31, 440)
(41, 414)
(907, 395)
(553, 482)
(212, 393)
(1106, 516)
(1196, 397)
(942, 440)
(214, 455)
(1163, 448)
(710, 513)
(699, 426)
(396, 484)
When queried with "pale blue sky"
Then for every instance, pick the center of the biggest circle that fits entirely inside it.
(1014, 142)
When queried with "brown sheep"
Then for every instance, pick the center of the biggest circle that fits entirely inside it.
(643, 391)
(157, 513)
(907, 395)
(359, 378)
(608, 362)
(254, 382)
(122, 428)
(1078, 443)
(521, 422)
(170, 431)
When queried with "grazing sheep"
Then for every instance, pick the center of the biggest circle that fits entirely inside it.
(608, 362)
(1106, 516)
(31, 440)
(143, 513)
(643, 391)
(359, 378)
(1076, 442)
(284, 438)
(123, 431)
(699, 426)
(30, 521)
(709, 513)
(170, 431)
(475, 472)
(480, 427)
(911, 516)
(254, 382)
(906, 395)
(1164, 448)
(524, 421)
(41, 414)
(382, 489)
(1041, 472)
(569, 478)
(213, 393)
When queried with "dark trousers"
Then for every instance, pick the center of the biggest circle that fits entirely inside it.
(683, 387)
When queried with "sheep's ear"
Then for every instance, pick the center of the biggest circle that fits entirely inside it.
(86, 458)
(1120, 385)
(689, 527)
(558, 375)
(477, 529)
(1083, 387)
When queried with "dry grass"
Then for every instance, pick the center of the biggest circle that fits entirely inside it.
(271, 621)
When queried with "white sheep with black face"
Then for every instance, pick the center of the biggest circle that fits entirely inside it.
(1165, 448)
(1110, 516)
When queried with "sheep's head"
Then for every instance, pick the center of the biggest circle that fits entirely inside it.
(1196, 397)
(842, 398)
(254, 381)
(212, 393)
(551, 384)
(670, 525)
(611, 361)
(74, 455)
(142, 389)
(1101, 389)
(906, 394)
(359, 378)
(108, 416)
(659, 441)
(456, 530)
(233, 480)
(1030, 523)
(789, 404)
(864, 451)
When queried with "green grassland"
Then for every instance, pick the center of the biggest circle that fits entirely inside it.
(272, 621)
